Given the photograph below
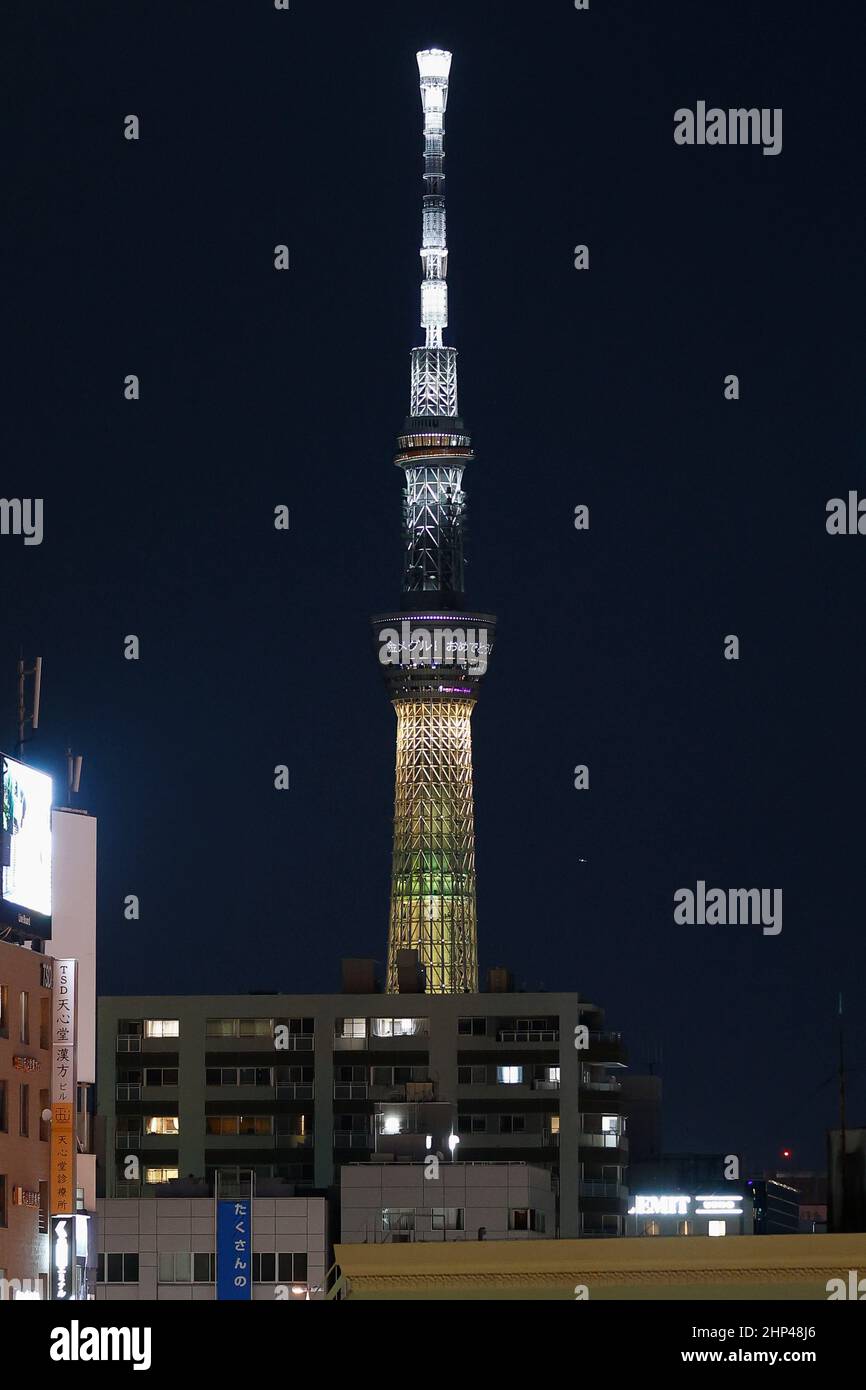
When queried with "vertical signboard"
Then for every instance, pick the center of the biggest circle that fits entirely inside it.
(234, 1249)
(63, 1090)
(62, 1258)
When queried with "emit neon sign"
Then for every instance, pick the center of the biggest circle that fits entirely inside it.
(660, 1206)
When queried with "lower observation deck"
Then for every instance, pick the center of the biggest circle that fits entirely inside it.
(434, 655)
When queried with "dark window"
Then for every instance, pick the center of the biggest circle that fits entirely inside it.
(4, 1011)
(472, 1027)
(512, 1124)
(114, 1268)
(212, 1076)
(246, 1076)
(267, 1271)
(202, 1268)
(3, 1116)
(24, 1111)
(3, 1206)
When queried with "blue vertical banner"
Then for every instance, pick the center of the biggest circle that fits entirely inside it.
(234, 1250)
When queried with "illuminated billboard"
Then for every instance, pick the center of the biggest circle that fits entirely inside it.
(25, 887)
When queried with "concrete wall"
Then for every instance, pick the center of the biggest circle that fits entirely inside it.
(154, 1226)
(486, 1193)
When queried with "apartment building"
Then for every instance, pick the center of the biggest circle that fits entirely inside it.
(293, 1087)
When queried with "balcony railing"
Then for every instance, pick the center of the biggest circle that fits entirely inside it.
(599, 1188)
(545, 1085)
(295, 1090)
(354, 1090)
(550, 1035)
(352, 1139)
(127, 1091)
(602, 1141)
(127, 1139)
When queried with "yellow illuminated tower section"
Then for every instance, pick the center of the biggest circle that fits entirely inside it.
(434, 649)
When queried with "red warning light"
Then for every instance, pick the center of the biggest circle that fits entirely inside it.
(787, 1153)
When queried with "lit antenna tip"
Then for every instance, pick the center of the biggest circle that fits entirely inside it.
(434, 62)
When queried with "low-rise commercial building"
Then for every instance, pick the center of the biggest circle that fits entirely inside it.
(405, 1202)
(167, 1248)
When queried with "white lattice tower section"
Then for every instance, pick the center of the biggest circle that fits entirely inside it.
(434, 381)
(433, 878)
(434, 67)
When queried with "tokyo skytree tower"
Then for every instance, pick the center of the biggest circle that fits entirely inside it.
(434, 650)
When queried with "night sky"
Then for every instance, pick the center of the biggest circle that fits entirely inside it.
(604, 387)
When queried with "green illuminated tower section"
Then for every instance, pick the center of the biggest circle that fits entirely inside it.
(434, 649)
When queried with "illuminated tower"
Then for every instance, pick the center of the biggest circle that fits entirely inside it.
(434, 650)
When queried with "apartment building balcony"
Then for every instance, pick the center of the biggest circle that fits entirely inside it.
(527, 1036)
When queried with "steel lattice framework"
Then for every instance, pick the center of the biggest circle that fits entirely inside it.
(434, 649)
(433, 876)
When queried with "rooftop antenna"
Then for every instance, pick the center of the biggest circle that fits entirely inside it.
(26, 717)
(842, 1119)
(73, 774)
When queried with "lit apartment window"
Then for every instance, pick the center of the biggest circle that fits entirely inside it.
(391, 1124)
(24, 1030)
(161, 1124)
(255, 1124)
(652, 1228)
(717, 1228)
(4, 1011)
(24, 1111)
(350, 1028)
(554, 1124)
(551, 1074)
(398, 1027)
(158, 1175)
(509, 1076)
(610, 1124)
(255, 1027)
(222, 1027)
(162, 1028)
(685, 1228)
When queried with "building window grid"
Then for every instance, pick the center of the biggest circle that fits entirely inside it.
(117, 1269)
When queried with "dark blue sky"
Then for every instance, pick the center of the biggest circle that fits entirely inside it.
(604, 388)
